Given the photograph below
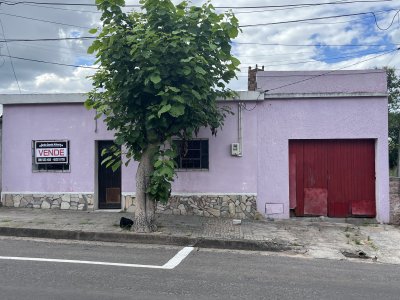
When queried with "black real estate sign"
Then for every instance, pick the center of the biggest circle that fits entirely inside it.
(51, 152)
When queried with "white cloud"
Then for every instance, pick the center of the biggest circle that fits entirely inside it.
(37, 77)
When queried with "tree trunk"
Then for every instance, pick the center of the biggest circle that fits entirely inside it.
(398, 155)
(145, 207)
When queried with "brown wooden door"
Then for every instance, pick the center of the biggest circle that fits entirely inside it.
(109, 182)
(332, 177)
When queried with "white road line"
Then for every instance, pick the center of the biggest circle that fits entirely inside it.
(177, 259)
(171, 264)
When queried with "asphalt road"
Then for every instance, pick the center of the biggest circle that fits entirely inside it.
(203, 274)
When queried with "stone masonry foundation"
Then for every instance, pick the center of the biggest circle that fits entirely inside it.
(49, 201)
(233, 206)
(394, 200)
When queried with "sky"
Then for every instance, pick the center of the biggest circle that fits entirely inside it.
(326, 43)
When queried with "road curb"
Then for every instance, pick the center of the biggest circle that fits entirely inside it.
(143, 238)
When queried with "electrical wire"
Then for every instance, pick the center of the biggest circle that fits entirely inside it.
(305, 61)
(10, 40)
(316, 18)
(50, 39)
(8, 2)
(390, 25)
(297, 75)
(277, 54)
(42, 20)
(65, 9)
(52, 63)
(304, 6)
(300, 4)
(329, 72)
(241, 26)
(10, 57)
(316, 45)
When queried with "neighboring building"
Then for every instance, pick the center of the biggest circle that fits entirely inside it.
(303, 143)
(1, 131)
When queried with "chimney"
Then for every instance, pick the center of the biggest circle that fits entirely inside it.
(252, 78)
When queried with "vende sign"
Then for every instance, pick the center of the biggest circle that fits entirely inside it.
(51, 152)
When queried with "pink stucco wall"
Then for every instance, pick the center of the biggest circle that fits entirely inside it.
(342, 81)
(285, 119)
(267, 128)
(281, 119)
(24, 123)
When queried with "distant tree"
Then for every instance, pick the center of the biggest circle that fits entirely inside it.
(161, 71)
(393, 83)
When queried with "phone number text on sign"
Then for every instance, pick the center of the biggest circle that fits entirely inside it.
(51, 152)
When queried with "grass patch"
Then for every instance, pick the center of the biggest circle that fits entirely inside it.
(5, 220)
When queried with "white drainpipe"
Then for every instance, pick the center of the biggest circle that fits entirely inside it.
(240, 128)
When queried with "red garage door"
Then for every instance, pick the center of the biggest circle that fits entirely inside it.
(334, 178)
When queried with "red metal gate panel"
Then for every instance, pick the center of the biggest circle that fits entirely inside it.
(340, 179)
(332, 177)
(363, 200)
(315, 178)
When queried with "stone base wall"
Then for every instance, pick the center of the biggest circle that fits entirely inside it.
(49, 201)
(395, 200)
(233, 206)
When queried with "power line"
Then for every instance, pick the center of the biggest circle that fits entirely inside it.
(280, 9)
(8, 2)
(301, 4)
(96, 68)
(326, 73)
(309, 61)
(52, 63)
(242, 26)
(65, 9)
(298, 75)
(316, 45)
(10, 40)
(277, 54)
(46, 21)
(50, 39)
(82, 52)
(390, 25)
(305, 6)
(315, 19)
(9, 56)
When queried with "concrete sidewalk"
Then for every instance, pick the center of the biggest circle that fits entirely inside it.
(307, 237)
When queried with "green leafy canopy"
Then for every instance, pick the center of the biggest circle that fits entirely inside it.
(393, 84)
(161, 71)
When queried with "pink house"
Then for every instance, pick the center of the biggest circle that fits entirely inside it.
(301, 143)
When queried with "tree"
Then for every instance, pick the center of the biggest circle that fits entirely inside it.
(161, 71)
(393, 83)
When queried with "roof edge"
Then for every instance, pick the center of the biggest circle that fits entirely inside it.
(322, 95)
(66, 98)
(42, 98)
(81, 97)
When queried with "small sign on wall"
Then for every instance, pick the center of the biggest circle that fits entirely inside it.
(51, 152)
